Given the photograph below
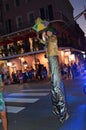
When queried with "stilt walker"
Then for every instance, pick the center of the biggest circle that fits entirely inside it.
(57, 86)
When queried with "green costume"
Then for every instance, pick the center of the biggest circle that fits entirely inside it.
(2, 103)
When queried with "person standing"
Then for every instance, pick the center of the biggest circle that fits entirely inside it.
(20, 76)
(68, 71)
(57, 86)
(74, 70)
(2, 102)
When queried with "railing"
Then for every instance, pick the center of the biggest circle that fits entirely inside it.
(61, 17)
(16, 51)
(68, 42)
(23, 50)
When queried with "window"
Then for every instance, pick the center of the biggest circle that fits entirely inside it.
(7, 7)
(42, 13)
(46, 13)
(30, 17)
(8, 26)
(19, 21)
(17, 2)
(50, 12)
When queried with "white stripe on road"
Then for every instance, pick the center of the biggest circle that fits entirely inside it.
(13, 109)
(28, 94)
(35, 90)
(21, 100)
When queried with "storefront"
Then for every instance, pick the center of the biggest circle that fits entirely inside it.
(70, 55)
(22, 62)
(32, 59)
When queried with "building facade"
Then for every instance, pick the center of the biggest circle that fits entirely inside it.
(18, 16)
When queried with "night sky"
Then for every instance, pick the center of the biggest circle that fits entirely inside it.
(79, 6)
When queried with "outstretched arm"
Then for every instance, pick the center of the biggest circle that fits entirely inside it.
(44, 38)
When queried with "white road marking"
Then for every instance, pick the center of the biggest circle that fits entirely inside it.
(21, 100)
(35, 90)
(14, 109)
(28, 94)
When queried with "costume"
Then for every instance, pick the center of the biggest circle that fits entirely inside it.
(57, 87)
(2, 103)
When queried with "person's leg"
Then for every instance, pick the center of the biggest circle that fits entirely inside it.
(4, 120)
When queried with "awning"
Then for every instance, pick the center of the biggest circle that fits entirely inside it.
(71, 49)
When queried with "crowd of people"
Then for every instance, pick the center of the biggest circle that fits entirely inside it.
(68, 71)
(29, 74)
(71, 71)
(20, 77)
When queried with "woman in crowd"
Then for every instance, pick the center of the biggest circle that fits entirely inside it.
(20, 76)
(2, 103)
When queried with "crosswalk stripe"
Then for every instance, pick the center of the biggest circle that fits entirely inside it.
(14, 109)
(28, 94)
(21, 100)
(35, 90)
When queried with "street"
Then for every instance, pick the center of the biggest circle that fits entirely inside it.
(29, 106)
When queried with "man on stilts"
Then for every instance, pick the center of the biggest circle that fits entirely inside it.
(57, 86)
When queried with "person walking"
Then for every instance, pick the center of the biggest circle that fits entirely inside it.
(2, 102)
(68, 71)
(20, 76)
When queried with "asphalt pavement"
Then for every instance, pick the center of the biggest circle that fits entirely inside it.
(29, 106)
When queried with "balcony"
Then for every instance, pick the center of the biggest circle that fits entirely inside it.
(61, 18)
(67, 41)
(22, 48)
